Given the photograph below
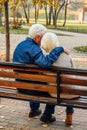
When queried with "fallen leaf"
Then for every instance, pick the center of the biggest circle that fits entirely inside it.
(1, 127)
(71, 126)
(36, 117)
(45, 125)
(29, 119)
(2, 106)
(1, 116)
(12, 101)
(13, 110)
(63, 120)
(59, 113)
(26, 112)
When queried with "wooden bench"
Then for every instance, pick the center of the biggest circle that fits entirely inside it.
(70, 85)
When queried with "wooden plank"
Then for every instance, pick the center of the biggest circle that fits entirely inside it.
(52, 69)
(17, 95)
(7, 89)
(29, 86)
(74, 73)
(80, 102)
(75, 90)
(73, 81)
(11, 90)
(31, 77)
(24, 67)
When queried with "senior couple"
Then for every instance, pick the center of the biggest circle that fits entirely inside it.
(42, 48)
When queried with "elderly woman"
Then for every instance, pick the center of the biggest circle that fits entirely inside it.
(49, 42)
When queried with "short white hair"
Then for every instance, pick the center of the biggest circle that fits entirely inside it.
(49, 41)
(37, 29)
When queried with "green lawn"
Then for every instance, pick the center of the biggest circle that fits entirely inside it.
(81, 48)
(72, 27)
(15, 31)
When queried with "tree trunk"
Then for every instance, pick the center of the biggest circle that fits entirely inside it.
(27, 19)
(50, 13)
(46, 15)
(36, 13)
(0, 17)
(55, 18)
(65, 14)
(7, 32)
(28, 13)
(60, 9)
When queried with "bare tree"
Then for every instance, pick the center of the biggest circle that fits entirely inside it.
(0, 16)
(65, 15)
(7, 32)
(24, 8)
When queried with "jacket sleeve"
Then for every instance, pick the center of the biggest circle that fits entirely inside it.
(48, 60)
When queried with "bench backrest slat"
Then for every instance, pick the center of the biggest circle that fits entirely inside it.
(73, 81)
(28, 86)
(28, 76)
(75, 90)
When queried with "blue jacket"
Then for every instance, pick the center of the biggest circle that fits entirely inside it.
(28, 51)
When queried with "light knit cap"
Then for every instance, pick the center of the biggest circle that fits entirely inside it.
(37, 29)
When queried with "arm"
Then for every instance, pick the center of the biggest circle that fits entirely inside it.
(48, 60)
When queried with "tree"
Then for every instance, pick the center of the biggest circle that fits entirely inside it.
(66, 4)
(50, 11)
(7, 31)
(5, 3)
(25, 4)
(45, 7)
(1, 14)
(36, 4)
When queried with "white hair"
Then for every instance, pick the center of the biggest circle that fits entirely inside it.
(49, 41)
(37, 29)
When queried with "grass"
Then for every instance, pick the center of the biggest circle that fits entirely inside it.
(72, 27)
(22, 31)
(14, 31)
(19, 31)
(81, 48)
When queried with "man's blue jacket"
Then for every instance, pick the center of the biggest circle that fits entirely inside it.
(28, 51)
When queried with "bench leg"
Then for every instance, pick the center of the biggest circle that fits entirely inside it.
(68, 120)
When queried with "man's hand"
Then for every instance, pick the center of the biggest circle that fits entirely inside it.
(66, 51)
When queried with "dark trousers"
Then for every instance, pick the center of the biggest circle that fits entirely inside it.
(49, 108)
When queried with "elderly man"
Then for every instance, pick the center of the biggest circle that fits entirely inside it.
(29, 51)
